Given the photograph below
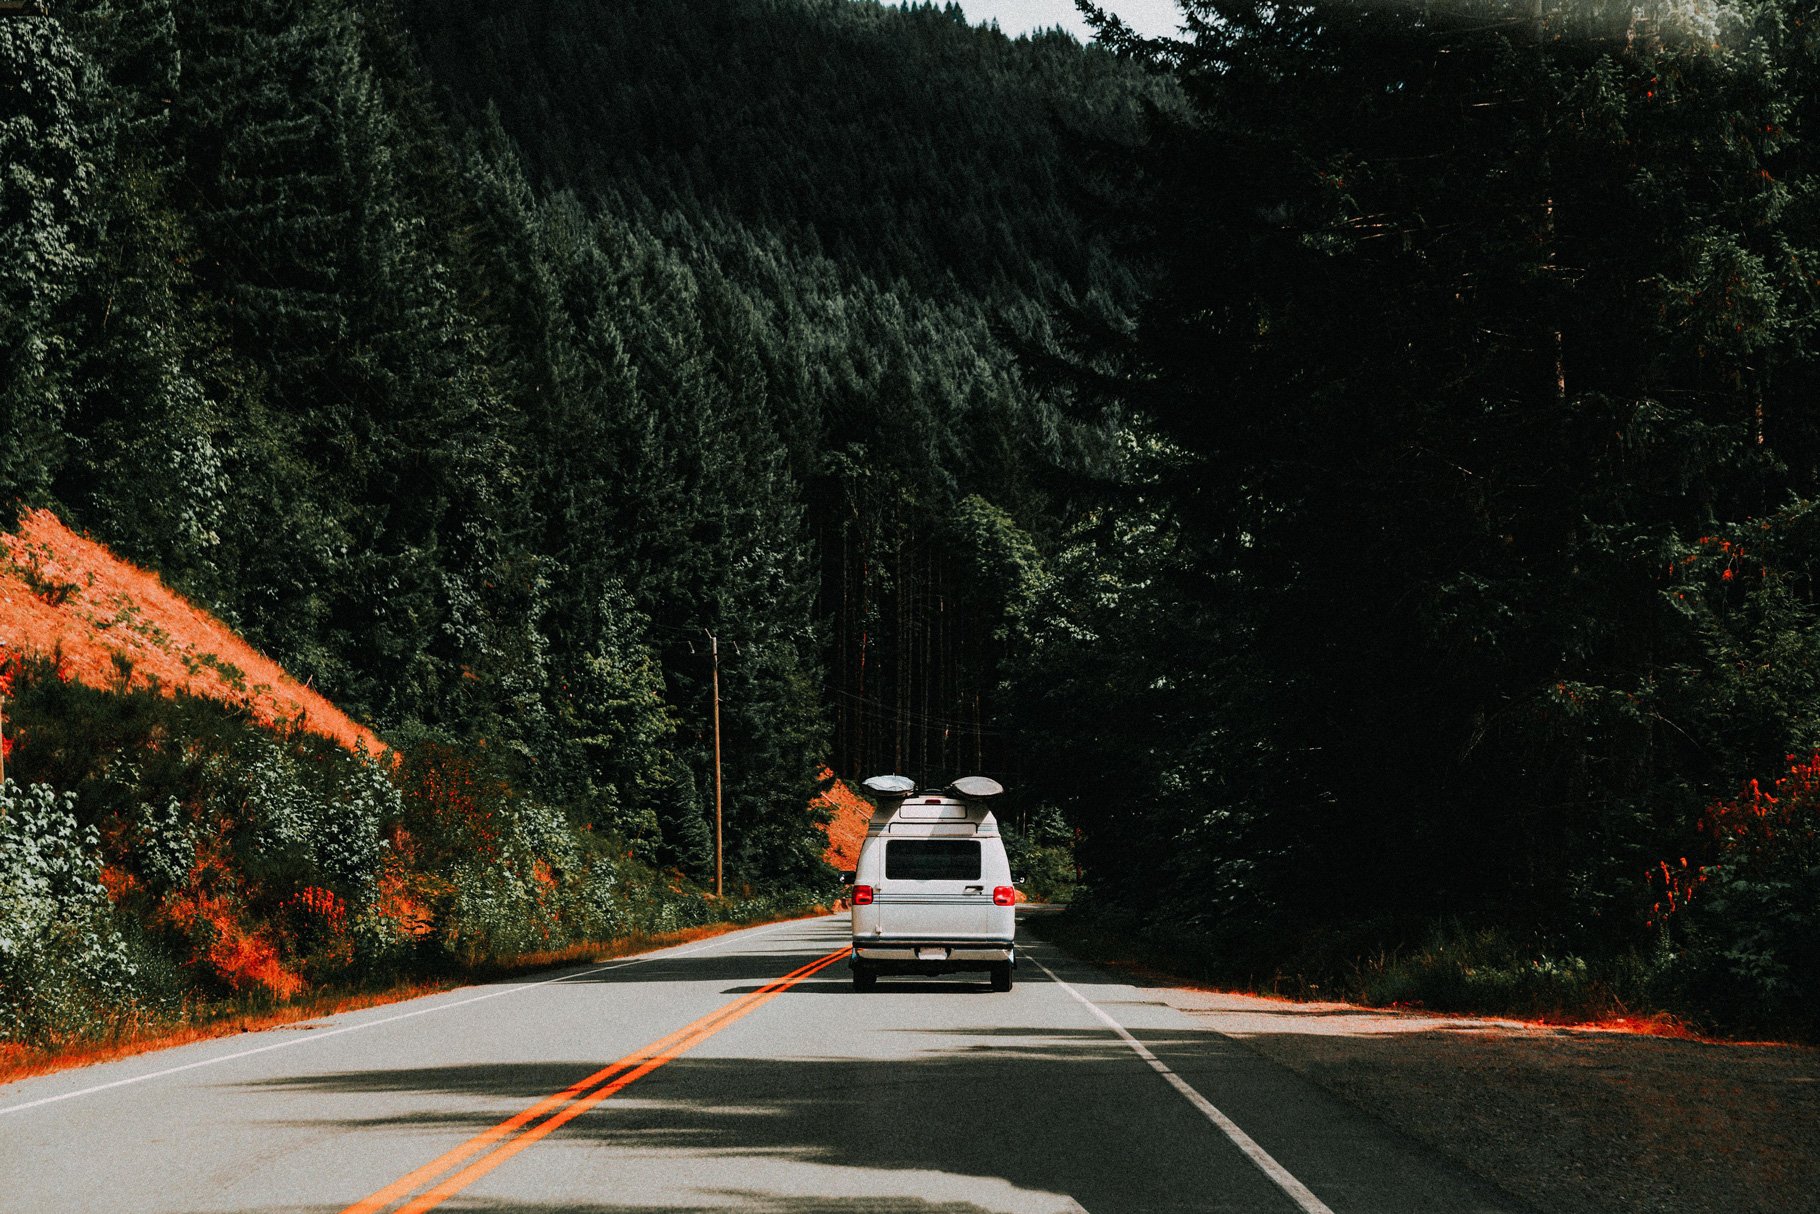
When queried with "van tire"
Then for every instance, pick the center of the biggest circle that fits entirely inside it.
(864, 977)
(1001, 975)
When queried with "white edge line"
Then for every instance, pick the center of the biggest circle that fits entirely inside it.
(1281, 1176)
(367, 1024)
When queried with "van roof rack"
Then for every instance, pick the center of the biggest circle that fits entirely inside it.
(967, 788)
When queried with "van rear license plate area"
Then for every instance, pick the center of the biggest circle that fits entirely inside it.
(931, 954)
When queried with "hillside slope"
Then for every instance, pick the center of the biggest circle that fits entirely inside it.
(114, 626)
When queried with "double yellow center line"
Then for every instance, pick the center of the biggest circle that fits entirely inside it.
(485, 1151)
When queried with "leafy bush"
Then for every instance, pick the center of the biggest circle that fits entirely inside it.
(65, 969)
(318, 826)
(1480, 970)
(166, 843)
(1741, 929)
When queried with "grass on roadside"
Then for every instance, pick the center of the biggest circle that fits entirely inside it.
(1456, 970)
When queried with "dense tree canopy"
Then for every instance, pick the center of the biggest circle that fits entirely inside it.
(1355, 459)
(484, 365)
(1478, 452)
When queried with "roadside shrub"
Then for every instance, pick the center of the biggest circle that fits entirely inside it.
(316, 836)
(501, 857)
(1741, 938)
(1458, 969)
(65, 969)
(165, 844)
(593, 900)
(317, 824)
(493, 915)
(197, 862)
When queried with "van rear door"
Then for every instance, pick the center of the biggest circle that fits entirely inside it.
(936, 889)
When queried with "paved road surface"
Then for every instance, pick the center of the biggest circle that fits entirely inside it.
(746, 1079)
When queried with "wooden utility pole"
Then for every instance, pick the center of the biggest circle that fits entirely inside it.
(714, 653)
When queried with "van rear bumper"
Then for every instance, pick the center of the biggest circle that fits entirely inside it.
(913, 954)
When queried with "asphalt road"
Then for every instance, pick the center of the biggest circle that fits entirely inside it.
(745, 1079)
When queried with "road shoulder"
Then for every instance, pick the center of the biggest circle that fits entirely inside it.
(1571, 1120)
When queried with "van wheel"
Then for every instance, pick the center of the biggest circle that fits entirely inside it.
(1001, 975)
(864, 978)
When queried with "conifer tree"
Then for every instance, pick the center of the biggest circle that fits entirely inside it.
(45, 196)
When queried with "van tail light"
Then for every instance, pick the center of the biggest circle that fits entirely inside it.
(862, 895)
(1004, 895)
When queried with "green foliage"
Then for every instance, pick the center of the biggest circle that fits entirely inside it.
(245, 867)
(1003, 566)
(65, 969)
(1455, 555)
(789, 370)
(1740, 924)
(1470, 398)
(314, 824)
(1132, 686)
(894, 139)
(615, 714)
(45, 201)
(1486, 971)
(481, 415)
(1042, 856)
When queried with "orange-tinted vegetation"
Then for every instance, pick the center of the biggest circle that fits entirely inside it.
(1748, 830)
(404, 894)
(257, 854)
(7, 669)
(208, 912)
(113, 625)
(19, 1061)
(846, 826)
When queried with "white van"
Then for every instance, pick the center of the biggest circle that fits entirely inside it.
(933, 891)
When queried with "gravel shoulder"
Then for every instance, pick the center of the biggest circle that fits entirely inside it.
(1569, 1120)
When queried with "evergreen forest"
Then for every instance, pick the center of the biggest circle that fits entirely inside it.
(1346, 469)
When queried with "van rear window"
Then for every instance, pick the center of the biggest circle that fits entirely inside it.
(932, 860)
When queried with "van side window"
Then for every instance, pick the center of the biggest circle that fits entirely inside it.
(932, 860)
